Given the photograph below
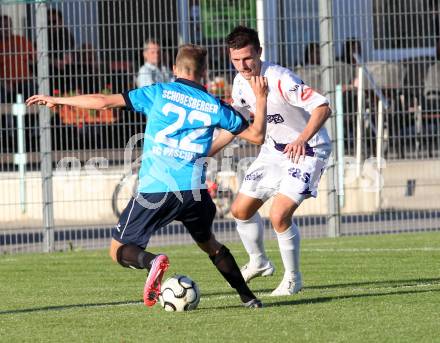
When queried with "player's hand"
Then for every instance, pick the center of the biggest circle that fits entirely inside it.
(296, 150)
(41, 100)
(259, 86)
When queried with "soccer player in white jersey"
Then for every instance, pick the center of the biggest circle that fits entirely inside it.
(289, 165)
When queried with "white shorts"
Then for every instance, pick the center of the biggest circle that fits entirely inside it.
(269, 175)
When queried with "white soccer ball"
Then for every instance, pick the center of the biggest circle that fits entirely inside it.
(179, 293)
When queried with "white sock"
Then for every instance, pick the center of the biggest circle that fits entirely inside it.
(289, 243)
(251, 232)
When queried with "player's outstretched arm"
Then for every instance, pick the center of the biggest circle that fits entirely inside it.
(297, 148)
(89, 101)
(256, 132)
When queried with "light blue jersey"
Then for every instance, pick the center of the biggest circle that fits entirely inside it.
(178, 135)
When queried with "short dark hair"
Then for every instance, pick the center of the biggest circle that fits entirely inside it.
(242, 36)
(53, 12)
(192, 59)
(152, 41)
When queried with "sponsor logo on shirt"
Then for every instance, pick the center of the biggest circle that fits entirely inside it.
(275, 118)
(254, 176)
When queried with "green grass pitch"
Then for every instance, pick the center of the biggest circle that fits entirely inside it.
(357, 289)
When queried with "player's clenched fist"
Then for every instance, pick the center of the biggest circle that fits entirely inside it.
(41, 100)
(259, 86)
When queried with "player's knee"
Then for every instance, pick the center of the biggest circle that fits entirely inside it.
(112, 254)
(211, 246)
(279, 220)
(219, 255)
(239, 212)
(113, 251)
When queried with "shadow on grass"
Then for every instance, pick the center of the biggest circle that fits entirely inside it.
(389, 283)
(392, 283)
(318, 300)
(67, 307)
(348, 296)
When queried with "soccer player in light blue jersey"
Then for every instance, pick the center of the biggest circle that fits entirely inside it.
(182, 117)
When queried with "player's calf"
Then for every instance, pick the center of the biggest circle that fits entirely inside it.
(132, 256)
(227, 266)
(225, 263)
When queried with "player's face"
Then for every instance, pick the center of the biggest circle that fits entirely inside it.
(152, 54)
(246, 60)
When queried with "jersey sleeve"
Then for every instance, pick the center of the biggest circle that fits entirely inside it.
(298, 94)
(140, 99)
(232, 120)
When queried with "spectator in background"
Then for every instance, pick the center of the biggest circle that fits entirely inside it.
(309, 71)
(350, 100)
(89, 65)
(16, 61)
(311, 54)
(351, 46)
(152, 71)
(60, 40)
(89, 56)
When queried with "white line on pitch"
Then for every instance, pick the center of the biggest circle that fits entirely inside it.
(363, 249)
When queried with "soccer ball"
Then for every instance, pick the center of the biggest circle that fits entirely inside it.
(179, 293)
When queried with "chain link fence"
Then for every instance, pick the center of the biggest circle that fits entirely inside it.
(62, 173)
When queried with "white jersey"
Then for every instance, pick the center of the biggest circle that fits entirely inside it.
(289, 106)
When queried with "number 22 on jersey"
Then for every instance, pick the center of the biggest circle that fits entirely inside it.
(188, 142)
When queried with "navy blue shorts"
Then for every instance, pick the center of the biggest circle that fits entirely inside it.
(140, 220)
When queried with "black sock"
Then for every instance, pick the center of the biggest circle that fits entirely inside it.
(131, 256)
(226, 265)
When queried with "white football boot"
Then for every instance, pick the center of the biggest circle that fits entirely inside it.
(291, 284)
(249, 271)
